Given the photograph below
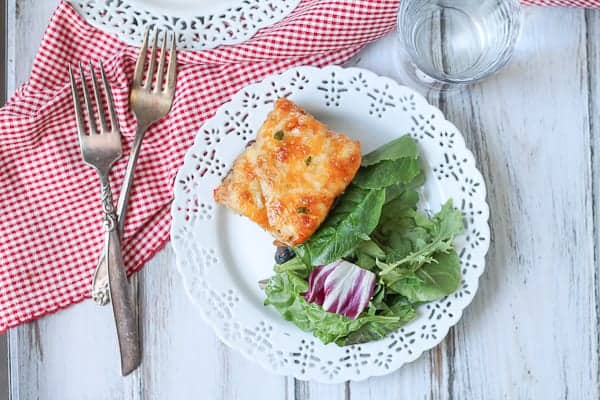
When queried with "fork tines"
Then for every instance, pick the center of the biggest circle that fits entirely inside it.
(140, 67)
(93, 127)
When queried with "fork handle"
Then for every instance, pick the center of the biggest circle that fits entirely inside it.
(122, 303)
(129, 174)
(99, 289)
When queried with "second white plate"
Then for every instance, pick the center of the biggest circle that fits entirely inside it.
(199, 24)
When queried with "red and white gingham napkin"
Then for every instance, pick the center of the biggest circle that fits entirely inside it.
(51, 222)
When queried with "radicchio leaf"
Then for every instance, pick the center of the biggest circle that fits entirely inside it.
(341, 288)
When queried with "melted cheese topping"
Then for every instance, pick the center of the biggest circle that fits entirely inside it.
(241, 190)
(288, 180)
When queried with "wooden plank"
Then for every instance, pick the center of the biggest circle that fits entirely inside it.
(530, 331)
(10, 46)
(313, 391)
(592, 19)
(30, 18)
(70, 355)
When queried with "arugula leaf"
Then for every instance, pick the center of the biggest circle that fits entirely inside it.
(351, 221)
(396, 227)
(403, 147)
(387, 173)
(429, 237)
(378, 297)
(284, 292)
(295, 265)
(448, 222)
(430, 282)
(386, 302)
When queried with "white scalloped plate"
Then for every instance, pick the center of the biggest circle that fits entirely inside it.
(222, 256)
(184, 8)
(200, 24)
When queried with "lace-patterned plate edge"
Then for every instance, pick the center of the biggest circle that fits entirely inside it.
(199, 32)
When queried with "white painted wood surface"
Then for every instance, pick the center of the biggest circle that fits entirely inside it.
(533, 330)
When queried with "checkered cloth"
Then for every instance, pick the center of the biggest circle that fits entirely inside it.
(51, 225)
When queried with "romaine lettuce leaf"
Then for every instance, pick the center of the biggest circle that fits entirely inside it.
(351, 221)
(403, 147)
(387, 173)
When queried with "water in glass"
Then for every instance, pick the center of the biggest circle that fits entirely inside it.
(454, 42)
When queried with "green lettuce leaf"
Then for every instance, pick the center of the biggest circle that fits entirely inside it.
(388, 173)
(430, 282)
(295, 265)
(351, 221)
(427, 237)
(366, 254)
(403, 147)
(396, 190)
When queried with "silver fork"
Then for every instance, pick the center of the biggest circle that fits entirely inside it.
(149, 104)
(101, 148)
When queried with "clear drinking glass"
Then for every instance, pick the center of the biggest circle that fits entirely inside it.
(451, 43)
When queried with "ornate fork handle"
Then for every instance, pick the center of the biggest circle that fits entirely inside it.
(122, 303)
(110, 215)
(100, 288)
(150, 100)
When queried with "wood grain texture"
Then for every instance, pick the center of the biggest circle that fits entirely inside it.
(533, 330)
(533, 318)
(592, 19)
(3, 75)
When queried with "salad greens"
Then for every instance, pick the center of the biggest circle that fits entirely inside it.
(349, 223)
(375, 225)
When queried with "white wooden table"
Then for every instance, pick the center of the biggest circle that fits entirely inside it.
(533, 330)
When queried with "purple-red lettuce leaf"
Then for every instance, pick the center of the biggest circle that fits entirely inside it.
(341, 288)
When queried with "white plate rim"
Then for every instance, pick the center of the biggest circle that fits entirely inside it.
(166, 9)
(201, 30)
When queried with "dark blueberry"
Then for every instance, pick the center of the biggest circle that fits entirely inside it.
(283, 254)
